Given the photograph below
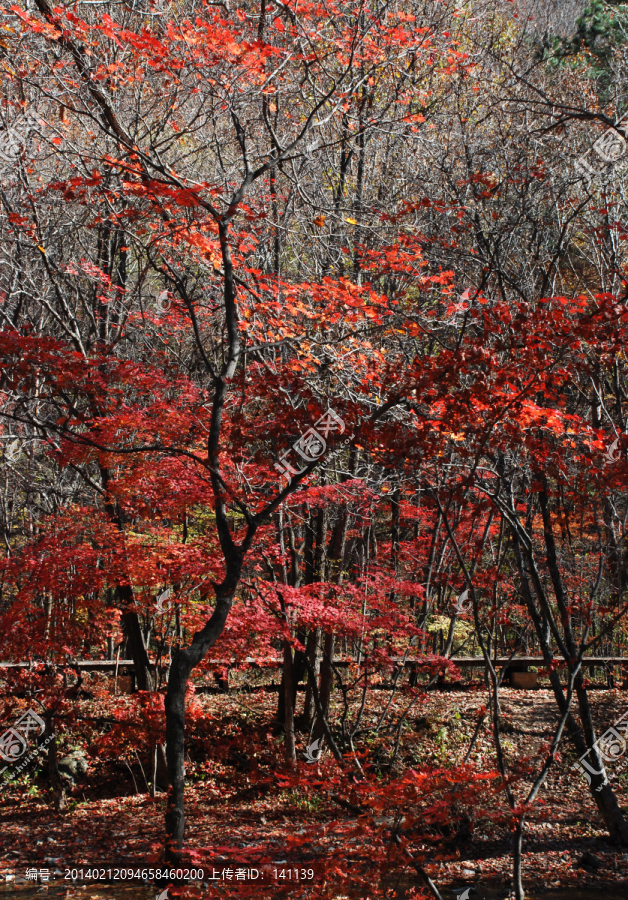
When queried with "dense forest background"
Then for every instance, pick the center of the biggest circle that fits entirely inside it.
(313, 324)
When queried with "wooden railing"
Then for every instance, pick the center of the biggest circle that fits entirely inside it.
(463, 662)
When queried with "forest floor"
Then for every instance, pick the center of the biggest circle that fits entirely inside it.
(245, 808)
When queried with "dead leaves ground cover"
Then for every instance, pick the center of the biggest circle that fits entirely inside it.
(246, 808)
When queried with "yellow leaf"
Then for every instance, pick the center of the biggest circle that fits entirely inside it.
(351, 221)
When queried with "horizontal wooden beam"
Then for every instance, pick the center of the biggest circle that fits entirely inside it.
(464, 662)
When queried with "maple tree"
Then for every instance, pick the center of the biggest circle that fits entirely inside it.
(232, 228)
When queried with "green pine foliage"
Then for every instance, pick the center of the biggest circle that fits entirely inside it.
(600, 31)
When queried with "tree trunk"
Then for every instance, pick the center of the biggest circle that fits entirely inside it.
(600, 790)
(312, 657)
(291, 756)
(130, 620)
(298, 667)
(325, 684)
(339, 544)
(316, 574)
(183, 661)
(137, 649)
(394, 529)
(56, 781)
(175, 754)
(517, 859)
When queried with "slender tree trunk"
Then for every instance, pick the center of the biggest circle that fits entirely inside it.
(308, 550)
(291, 755)
(607, 802)
(517, 857)
(137, 649)
(183, 661)
(298, 667)
(293, 578)
(130, 620)
(175, 754)
(317, 574)
(394, 529)
(339, 543)
(312, 658)
(600, 789)
(324, 691)
(56, 781)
